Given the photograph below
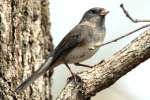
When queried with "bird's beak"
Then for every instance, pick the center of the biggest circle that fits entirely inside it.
(104, 12)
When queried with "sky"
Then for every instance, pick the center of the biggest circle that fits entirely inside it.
(65, 14)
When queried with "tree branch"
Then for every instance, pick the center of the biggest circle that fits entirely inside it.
(129, 33)
(125, 35)
(109, 71)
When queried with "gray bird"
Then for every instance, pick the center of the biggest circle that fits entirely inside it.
(81, 43)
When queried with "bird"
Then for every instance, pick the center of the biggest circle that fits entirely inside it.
(80, 44)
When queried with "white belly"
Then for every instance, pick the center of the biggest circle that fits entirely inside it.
(80, 54)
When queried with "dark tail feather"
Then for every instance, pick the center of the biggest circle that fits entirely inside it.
(43, 68)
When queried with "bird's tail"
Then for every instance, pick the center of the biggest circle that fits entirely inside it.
(43, 68)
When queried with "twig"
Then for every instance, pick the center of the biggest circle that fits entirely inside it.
(131, 18)
(118, 38)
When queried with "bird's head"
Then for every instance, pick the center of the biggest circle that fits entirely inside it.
(95, 15)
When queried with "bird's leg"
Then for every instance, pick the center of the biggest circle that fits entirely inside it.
(75, 77)
(78, 64)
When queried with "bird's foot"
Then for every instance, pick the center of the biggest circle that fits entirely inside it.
(77, 79)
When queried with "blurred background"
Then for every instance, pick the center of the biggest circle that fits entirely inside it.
(65, 14)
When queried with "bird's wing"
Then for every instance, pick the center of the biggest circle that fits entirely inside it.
(76, 37)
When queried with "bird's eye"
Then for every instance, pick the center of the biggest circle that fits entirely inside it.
(92, 11)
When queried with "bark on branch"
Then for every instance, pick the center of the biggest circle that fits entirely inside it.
(109, 71)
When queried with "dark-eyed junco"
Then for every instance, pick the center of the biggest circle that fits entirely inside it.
(78, 45)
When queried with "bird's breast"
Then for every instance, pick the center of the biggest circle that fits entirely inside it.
(80, 54)
(87, 49)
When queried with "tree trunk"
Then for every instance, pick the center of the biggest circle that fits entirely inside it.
(24, 42)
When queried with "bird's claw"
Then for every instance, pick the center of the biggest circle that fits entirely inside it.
(77, 79)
